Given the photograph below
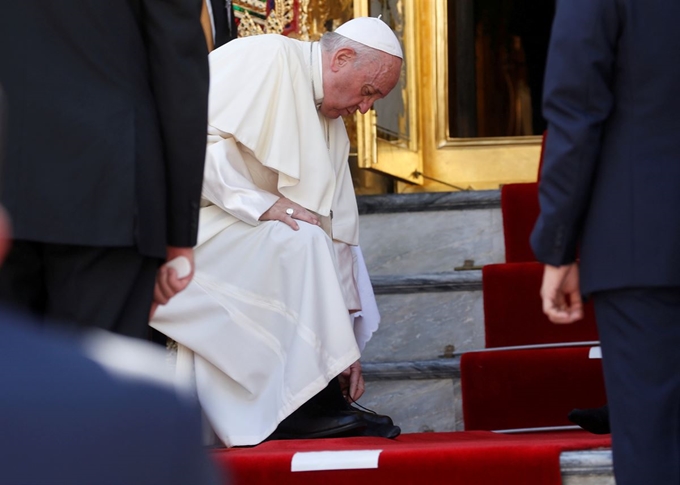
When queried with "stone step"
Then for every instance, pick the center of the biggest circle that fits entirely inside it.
(433, 232)
(412, 244)
(591, 467)
(429, 202)
(417, 406)
(464, 280)
(420, 396)
(427, 315)
(424, 316)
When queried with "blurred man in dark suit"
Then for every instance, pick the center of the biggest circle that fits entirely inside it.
(67, 419)
(107, 108)
(609, 185)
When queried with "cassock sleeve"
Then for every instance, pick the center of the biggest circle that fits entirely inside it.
(578, 98)
(227, 182)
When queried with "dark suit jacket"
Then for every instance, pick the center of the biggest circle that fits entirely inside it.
(65, 420)
(107, 110)
(224, 22)
(611, 174)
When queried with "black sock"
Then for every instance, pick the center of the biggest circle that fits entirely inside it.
(327, 401)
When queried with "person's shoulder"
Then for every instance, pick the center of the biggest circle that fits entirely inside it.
(107, 420)
(258, 48)
(271, 40)
(103, 365)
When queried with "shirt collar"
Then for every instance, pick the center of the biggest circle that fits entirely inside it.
(317, 76)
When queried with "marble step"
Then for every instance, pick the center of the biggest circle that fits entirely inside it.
(427, 315)
(428, 202)
(592, 467)
(420, 396)
(417, 406)
(420, 233)
(412, 244)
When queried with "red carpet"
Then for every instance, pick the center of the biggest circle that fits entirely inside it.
(513, 312)
(469, 458)
(519, 206)
(510, 389)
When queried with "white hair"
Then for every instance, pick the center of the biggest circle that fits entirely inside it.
(332, 42)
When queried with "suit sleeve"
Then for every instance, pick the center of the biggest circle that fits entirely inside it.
(578, 99)
(178, 65)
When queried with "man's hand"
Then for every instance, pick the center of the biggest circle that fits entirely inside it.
(277, 212)
(352, 382)
(561, 293)
(167, 282)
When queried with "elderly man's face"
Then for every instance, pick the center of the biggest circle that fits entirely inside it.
(350, 86)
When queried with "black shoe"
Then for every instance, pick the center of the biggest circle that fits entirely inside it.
(371, 416)
(308, 426)
(595, 420)
(382, 430)
(378, 424)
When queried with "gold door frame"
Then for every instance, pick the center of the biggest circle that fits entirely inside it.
(442, 161)
(402, 160)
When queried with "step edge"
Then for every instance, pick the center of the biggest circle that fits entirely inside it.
(469, 280)
(586, 462)
(428, 202)
(448, 368)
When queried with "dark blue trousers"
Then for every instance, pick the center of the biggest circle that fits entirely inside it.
(108, 288)
(640, 335)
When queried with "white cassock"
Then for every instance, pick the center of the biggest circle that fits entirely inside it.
(266, 317)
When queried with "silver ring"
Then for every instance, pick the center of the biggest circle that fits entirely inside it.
(290, 211)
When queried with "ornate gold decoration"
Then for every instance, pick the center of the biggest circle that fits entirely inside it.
(322, 13)
(282, 14)
(304, 19)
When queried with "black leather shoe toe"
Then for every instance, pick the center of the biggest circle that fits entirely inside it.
(372, 417)
(300, 426)
(382, 430)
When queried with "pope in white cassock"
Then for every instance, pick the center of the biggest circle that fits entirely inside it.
(266, 321)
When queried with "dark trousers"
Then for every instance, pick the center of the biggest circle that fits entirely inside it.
(640, 337)
(108, 288)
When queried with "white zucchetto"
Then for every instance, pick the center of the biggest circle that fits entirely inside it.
(372, 32)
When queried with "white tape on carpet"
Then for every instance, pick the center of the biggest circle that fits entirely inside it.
(334, 460)
(595, 353)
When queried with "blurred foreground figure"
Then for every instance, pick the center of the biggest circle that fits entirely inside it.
(107, 107)
(609, 192)
(278, 266)
(82, 413)
(66, 419)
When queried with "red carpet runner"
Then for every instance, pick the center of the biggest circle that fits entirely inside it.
(528, 388)
(463, 458)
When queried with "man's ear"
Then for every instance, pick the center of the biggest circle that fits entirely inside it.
(341, 58)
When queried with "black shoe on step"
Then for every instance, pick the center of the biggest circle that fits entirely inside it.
(378, 424)
(300, 425)
(382, 430)
(595, 420)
